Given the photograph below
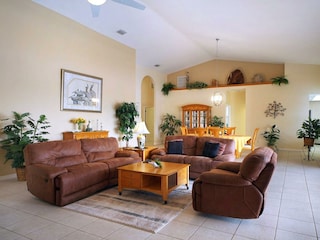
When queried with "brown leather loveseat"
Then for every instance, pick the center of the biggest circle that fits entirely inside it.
(236, 189)
(193, 151)
(61, 172)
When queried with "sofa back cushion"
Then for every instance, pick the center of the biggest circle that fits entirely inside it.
(189, 143)
(99, 148)
(55, 153)
(227, 146)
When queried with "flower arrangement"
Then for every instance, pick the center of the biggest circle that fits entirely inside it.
(272, 136)
(78, 120)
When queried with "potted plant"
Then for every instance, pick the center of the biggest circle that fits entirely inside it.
(23, 130)
(272, 136)
(310, 130)
(126, 113)
(169, 124)
(216, 122)
(167, 87)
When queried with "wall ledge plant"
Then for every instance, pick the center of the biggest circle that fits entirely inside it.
(166, 88)
(279, 80)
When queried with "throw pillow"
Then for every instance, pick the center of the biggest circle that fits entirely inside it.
(175, 146)
(210, 149)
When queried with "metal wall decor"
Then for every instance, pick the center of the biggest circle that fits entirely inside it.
(274, 109)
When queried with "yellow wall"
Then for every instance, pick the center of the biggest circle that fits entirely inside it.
(36, 43)
(303, 80)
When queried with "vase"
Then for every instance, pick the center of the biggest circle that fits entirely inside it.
(79, 127)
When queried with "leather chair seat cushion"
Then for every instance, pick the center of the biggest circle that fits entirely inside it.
(81, 176)
(114, 163)
(199, 163)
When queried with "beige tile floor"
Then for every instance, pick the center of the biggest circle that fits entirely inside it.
(292, 212)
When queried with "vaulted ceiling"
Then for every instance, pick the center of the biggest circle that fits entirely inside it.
(177, 34)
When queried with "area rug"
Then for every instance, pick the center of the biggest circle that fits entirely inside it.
(135, 208)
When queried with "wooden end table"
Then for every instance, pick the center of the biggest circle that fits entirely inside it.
(161, 181)
(143, 153)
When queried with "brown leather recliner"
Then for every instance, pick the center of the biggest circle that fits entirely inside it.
(235, 189)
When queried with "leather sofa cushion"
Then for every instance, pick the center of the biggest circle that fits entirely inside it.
(80, 177)
(99, 149)
(228, 148)
(189, 143)
(55, 153)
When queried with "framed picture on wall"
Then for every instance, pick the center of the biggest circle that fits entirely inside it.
(80, 92)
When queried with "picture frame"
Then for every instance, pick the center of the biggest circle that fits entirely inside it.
(80, 92)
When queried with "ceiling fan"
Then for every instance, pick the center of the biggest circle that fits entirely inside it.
(95, 5)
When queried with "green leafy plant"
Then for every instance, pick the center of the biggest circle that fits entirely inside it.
(22, 131)
(280, 80)
(126, 114)
(197, 85)
(216, 121)
(272, 135)
(166, 88)
(169, 124)
(310, 128)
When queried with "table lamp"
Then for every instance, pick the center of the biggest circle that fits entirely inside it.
(141, 129)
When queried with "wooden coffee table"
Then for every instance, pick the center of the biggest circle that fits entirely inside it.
(161, 181)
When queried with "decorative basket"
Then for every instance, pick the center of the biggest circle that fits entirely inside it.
(21, 174)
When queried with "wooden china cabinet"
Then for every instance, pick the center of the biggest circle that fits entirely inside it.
(196, 116)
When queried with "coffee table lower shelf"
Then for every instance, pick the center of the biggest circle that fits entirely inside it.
(161, 181)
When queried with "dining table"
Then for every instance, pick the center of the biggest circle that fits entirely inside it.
(240, 141)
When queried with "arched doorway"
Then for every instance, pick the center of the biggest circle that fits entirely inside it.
(147, 107)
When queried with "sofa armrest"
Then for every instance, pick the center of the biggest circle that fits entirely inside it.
(158, 151)
(223, 178)
(127, 153)
(45, 171)
(229, 166)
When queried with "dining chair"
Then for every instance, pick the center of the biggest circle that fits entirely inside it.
(214, 131)
(251, 143)
(229, 130)
(184, 130)
(200, 131)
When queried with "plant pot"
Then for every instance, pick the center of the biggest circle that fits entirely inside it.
(308, 141)
(21, 174)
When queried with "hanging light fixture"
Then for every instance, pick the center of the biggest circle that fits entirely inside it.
(97, 2)
(216, 98)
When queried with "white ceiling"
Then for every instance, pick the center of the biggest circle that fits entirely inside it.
(177, 34)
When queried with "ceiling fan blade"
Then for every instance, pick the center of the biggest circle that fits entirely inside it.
(95, 10)
(131, 3)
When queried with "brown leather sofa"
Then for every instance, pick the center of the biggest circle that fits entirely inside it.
(61, 172)
(236, 189)
(193, 153)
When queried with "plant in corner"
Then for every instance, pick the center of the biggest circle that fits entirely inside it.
(169, 124)
(126, 113)
(280, 80)
(22, 131)
(272, 136)
(310, 130)
(166, 88)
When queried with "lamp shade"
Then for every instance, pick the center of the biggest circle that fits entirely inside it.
(97, 2)
(141, 128)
